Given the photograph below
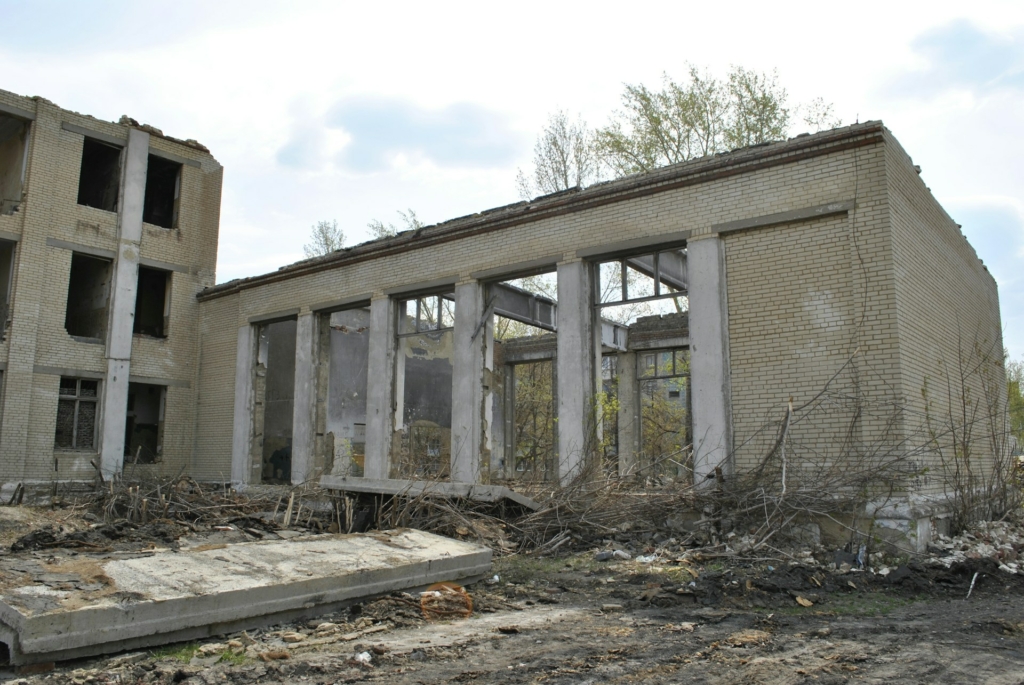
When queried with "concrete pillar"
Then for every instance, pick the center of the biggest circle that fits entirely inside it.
(245, 359)
(122, 303)
(629, 413)
(380, 390)
(469, 417)
(303, 423)
(709, 356)
(578, 364)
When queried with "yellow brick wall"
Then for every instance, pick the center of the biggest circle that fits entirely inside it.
(37, 336)
(949, 326)
(216, 399)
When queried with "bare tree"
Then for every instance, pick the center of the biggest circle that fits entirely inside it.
(563, 157)
(818, 115)
(324, 238)
(379, 229)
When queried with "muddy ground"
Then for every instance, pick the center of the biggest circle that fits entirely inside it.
(678, 618)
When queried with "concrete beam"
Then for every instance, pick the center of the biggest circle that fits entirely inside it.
(469, 434)
(380, 390)
(578, 363)
(709, 357)
(303, 420)
(245, 360)
(122, 302)
(415, 488)
(194, 594)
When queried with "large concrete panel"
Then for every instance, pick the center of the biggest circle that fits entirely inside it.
(81, 606)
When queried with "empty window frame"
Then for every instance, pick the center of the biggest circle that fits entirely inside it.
(99, 180)
(665, 416)
(77, 412)
(274, 390)
(421, 447)
(349, 349)
(88, 295)
(152, 302)
(13, 157)
(531, 418)
(144, 425)
(163, 188)
(6, 283)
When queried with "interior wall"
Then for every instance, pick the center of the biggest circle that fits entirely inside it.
(275, 395)
(349, 349)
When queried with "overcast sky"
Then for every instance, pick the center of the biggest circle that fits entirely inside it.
(352, 111)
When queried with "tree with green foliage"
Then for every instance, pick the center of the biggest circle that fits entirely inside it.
(325, 237)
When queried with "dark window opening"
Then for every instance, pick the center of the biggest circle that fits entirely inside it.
(13, 149)
(6, 282)
(5, 654)
(152, 303)
(163, 185)
(144, 427)
(275, 388)
(100, 177)
(76, 414)
(88, 293)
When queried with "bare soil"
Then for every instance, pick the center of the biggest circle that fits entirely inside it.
(573, 619)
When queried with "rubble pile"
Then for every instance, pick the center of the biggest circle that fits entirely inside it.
(1000, 541)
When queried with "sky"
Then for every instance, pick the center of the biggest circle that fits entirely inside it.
(354, 111)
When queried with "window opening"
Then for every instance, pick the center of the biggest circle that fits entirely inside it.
(642, 285)
(144, 428)
(88, 294)
(163, 188)
(421, 447)
(275, 388)
(523, 428)
(76, 414)
(349, 350)
(13, 155)
(6, 283)
(608, 404)
(152, 304)
(665, 416)
(100, 177)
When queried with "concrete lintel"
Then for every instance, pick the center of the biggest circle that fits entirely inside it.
(66, 371)
(658, 343)
(272, 317)
(7, 235)
(353, 302)
(168, 382)
(636, 245)
(422, 286)
(785, 217)
(415, 488)
(165, 266)
(17, 112)
(82, 249)
(517, 270)
(195, 593)
(95, 135)
(170, 156)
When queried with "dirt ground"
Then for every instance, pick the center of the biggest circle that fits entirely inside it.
(574, 619)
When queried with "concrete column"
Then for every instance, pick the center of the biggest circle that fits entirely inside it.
(469, 422)
(303, 424)
(245, 359)
(380, 400)
(709, 356)
(629, 413)
(122, 303)
(578, 364)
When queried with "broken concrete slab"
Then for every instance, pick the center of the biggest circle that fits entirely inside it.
(88, 605)
(415, 488)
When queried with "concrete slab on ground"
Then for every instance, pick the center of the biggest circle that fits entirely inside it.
(414, 488)
(55, 609)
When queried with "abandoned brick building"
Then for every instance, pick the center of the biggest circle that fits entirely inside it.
(657, 321)
(107, 233)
